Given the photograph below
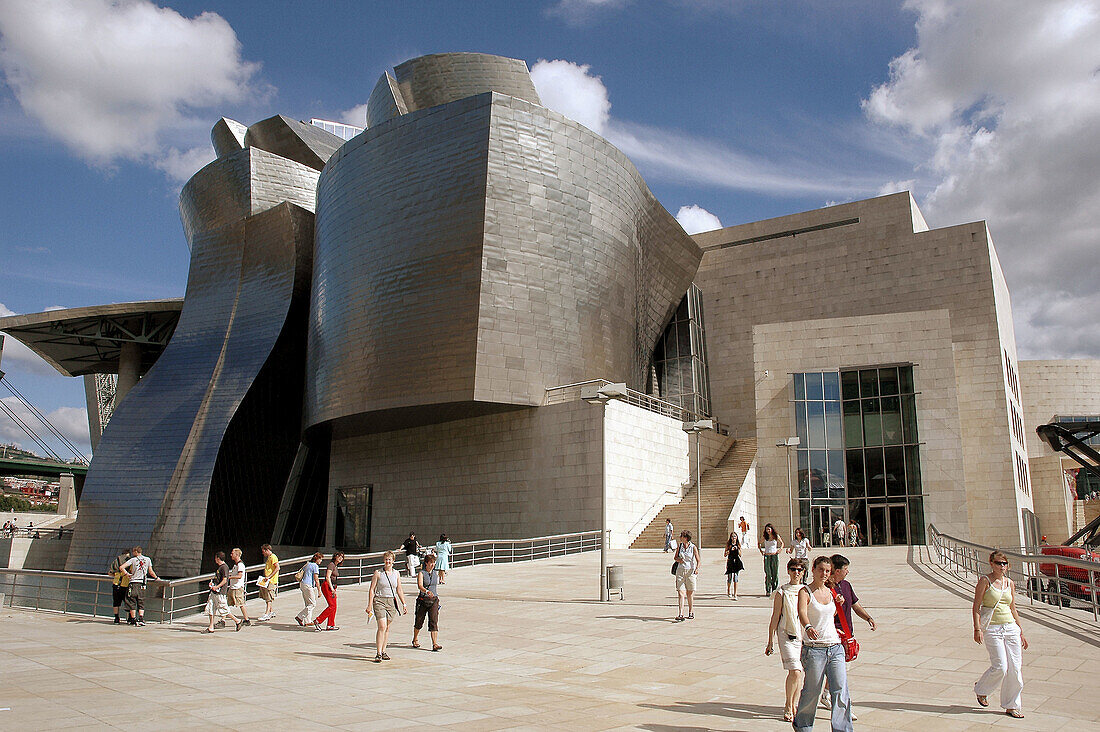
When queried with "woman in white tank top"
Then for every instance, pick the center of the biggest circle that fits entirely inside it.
(784, 625)
(822, 652)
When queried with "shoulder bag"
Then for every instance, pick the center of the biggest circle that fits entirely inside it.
(851, 645)
(393, 590)
(986, 613)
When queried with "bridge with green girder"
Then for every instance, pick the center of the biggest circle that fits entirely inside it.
(23, 466)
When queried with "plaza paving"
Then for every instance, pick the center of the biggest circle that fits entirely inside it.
(525, 647)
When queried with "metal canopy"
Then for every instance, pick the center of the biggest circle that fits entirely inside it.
(88, 340)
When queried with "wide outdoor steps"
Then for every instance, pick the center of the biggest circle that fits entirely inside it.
(721, 484)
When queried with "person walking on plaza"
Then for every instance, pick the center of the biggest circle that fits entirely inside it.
(734, 565)
(822, 652)
(269, 582)
(687, 570)
(427, 603)
(412, 550)
(119, 581)
(839, 530)
(784, 625)
(382, 598)
(668, 535)
(997, 626)
(801, 547)
(770, 544)
(216, 599)
(238, 579)
(308, 580)
(853, 533)
(838, 581)
(138, 569)
(443, 551)
(328, 588)
(743, 527)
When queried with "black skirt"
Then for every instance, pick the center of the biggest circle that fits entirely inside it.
(733, 562)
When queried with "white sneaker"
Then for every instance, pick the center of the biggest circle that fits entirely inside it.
(854, 717)
(263, 617)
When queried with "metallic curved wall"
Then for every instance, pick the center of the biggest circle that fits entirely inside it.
(152, 476)
(470, 255)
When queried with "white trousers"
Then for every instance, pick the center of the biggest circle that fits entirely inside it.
(309, 594)
(1005, 664)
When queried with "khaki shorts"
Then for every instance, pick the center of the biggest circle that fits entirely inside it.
(268, 594)
(385, 607)
(215, 604)
(685, 580)
(236, 597)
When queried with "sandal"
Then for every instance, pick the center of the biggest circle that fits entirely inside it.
(385, 656)
(378, 658)
(679, 618)
(1014, 713)
(788, 717)
(415, 644)
(983, 700)
(207, 630)
(437, 648)
(691, 616)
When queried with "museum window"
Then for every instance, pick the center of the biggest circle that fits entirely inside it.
(679, 360)
(859, 453)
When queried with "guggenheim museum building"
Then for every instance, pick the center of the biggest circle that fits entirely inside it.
(402, 328)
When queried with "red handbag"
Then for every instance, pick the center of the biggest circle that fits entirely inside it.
(851, 645)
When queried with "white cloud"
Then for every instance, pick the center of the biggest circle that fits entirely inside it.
(5, 311)
(111, 80)
(579, 12)
(72, 422)
(695, 218)
(570, 89)
(1007, 97)
(52, 308)
(180, 166)
(357, 116)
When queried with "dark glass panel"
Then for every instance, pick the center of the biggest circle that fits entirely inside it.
(815, 424)
(830, 384)
(876, 478)
(819, 468)
(857, 511)
(891, 420)
(868, 383)
(899, 524)
(671, 342)
(909, 419)
(803, 473)
(856, 478)
(872, 422)
(800, 386)
(876, 518)
(895, 471)
(804, 513)
(916, 520)
(800, 422)
(853, 425)
(905, 379)
(888, 381)
(849, 381)
(833, 430)
(912, 470)
(813, 386)
(836, 473)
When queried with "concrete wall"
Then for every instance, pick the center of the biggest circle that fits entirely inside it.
(922, 338)
(528, 472)
(1055, 387)
(873, 257)
(746, 505)
(35, 553)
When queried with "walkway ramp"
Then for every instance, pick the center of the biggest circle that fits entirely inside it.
(721, 484)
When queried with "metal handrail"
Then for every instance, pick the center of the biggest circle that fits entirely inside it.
(963, 557)
(82, 593)
(561, 394)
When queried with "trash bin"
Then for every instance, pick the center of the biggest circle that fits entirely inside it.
(615, 579)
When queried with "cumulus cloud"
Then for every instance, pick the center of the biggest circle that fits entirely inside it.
(113, 79)
(574, 91)
(1007, 97)
(357, 116)
(179, 166)
(580, 12)
(695, 218)
(5, 311)
(72, 422)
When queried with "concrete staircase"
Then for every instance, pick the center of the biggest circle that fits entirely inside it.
(720, 486)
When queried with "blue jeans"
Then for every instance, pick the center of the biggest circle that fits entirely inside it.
(819, 664)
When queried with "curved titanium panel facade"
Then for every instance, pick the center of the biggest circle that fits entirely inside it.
(478, 252)
(440, 78)
(152, 476)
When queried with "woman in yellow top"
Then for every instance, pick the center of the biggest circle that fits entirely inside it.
(997, 625)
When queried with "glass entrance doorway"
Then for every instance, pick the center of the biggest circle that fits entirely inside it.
(889, 524)
(822, 520)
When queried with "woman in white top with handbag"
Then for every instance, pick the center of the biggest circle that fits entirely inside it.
(784, 623)
(822, 652)
(685, 569)
(997, 626)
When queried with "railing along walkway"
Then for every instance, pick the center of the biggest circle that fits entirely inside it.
(80, 593)
(1060, 581)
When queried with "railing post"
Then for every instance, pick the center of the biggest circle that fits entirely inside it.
(1092, 593)
(65, 602)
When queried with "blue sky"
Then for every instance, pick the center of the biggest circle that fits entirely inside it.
(746, 109)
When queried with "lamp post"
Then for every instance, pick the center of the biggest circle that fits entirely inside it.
(789, 443)
(602, 396)
(697, 427)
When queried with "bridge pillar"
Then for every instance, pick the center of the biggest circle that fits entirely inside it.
(66, 497)
(129, 367)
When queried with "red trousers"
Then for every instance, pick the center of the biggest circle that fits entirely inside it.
(330, 612)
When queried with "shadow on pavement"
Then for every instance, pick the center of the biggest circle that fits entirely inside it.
(729, 709)
(643, 618)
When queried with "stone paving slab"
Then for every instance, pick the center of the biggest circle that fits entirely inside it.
(526, 647)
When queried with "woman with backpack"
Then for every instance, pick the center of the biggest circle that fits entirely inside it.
(784, 623)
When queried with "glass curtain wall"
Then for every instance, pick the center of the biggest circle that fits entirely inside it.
(859, 457)
(679, 361)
